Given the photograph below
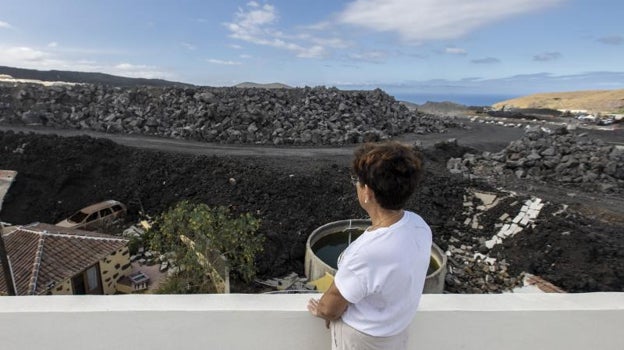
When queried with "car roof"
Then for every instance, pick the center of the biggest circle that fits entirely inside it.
(99, 206)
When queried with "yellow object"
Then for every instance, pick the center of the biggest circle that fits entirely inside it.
(322, 284)
(146, 225)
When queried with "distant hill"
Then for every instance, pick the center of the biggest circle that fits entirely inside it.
(263, 86)
(84, 77)
(605, 101)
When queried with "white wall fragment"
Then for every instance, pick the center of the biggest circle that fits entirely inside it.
(528, 213)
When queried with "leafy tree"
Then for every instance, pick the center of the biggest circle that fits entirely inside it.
(200, 235)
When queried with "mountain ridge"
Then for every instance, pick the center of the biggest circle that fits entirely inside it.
(248, 84)
(84, 77)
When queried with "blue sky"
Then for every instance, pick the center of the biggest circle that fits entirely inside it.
(511, 47)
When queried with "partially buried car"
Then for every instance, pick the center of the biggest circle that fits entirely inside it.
(95, 216)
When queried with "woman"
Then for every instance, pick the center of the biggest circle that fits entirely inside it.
(381, 275)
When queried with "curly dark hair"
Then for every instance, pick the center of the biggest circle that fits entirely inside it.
(391, 169)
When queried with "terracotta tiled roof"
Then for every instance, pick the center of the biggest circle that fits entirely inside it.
(43, 253)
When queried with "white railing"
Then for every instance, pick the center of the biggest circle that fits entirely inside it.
(244, 321)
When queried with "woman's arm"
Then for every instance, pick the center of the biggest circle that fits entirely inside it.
(331, 305)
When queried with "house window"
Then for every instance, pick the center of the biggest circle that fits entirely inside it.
(88, 281)
(92, 279)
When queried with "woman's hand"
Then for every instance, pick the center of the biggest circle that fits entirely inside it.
(330, 307)
(313, 308)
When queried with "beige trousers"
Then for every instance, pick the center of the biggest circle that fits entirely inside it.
(345, 337)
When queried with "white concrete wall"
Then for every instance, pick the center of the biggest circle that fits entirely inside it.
(237, 321)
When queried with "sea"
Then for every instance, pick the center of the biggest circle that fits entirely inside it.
(464, 99)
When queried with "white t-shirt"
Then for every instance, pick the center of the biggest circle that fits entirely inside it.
(382, 275)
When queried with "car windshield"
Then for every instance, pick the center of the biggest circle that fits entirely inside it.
(78, 217)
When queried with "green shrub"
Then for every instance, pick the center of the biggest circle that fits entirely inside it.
(209, 229)
(134, 243)
(186, 282)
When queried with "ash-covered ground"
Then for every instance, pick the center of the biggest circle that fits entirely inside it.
(579, 248)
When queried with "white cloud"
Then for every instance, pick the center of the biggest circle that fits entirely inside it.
(336, 43)
(137, 71)
(53, 44)
(24, 54)
(547, 56)
(369, 56)
(226, 63)
(28, 57)
(256, 24)
(455, 51)
(188, 46)
(236, 46)
(311, 52)
(317, 26)
(486, 60)
(5, 25)
(250, 22)
(125, 66)
(245, 56)
(33, 58)
(249, 25)
(423, 20)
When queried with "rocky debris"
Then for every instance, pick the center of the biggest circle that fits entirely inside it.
(301, 116)
(293, 197)
(509, 123)
(290, 283)
(575, 253)
(558, 157)
(133, 231)
(527, 215)
(475, 273)
(471, 269)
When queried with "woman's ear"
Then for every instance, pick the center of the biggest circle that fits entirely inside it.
(368, 193)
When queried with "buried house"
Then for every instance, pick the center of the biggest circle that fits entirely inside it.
(47, 259)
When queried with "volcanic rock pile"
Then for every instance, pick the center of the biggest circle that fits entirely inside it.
(559, 157)
(302, 116)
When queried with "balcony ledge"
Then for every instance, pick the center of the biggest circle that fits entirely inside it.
(260, 321)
